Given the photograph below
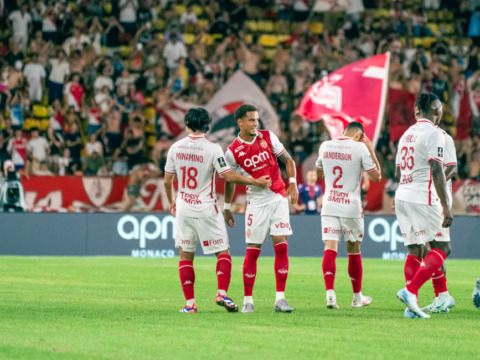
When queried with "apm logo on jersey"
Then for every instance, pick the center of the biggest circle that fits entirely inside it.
(440, 152)
(222, 162)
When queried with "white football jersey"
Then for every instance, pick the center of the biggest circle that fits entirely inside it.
(450, 159)
(194, 160)
(343, 160)
(421, 143)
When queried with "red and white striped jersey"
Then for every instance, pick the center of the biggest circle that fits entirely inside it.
(256, 159)
(343, 160)
(421, 143)
(194, 160)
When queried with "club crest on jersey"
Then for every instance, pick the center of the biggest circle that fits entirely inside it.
(440, 152)
(263, 143)
(222, 162)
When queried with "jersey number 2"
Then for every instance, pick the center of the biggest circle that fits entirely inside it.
(338, 172)
(189, 177)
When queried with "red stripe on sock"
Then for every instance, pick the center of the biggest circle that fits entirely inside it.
(281, 265)
(329, 268)
(224, 271)
(250, 270)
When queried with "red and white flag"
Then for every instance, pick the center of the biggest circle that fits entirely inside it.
(172, 116)
(356, 92)
(238, 90)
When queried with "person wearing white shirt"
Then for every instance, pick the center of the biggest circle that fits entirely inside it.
(188, 19)
(20, 24)
(34, 72)
(58, 73)
(76, 41)
(173, 51)
(128, 15)
(103, 80)
(38, 149)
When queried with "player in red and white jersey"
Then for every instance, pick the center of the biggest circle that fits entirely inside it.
(443, 300)
(422, 205)
(194, 161)
(254, 154)
(342, 162)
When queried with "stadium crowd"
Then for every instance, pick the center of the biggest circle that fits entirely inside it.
(82, 81)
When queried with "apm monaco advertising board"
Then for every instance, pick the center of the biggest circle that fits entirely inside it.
(151, 235)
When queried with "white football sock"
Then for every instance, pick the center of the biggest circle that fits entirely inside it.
(222, 292)
(280, 295)
(248, 299)
(190, 302)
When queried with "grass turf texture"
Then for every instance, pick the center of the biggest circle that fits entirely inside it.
(126, 308)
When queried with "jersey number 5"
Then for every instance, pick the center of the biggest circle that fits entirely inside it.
(338, 172)
(407, 158)
(189, 177)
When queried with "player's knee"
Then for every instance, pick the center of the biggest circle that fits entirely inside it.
(353, 247)
(415, 250)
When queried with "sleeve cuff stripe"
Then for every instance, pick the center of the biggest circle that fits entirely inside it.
(168, 172)
(452, 163)
(224, 171)
(281, 152)
(374, 168)
(440, 161)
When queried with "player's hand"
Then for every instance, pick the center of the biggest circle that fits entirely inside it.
(173, 208)
(229, 219)
(393, 205)
(447, 217)
(367, 141)
(264, 181)
(292, 193)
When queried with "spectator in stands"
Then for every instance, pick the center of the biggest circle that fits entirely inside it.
(112, 35)
(173, 51)
(55, 145)
(43, 169)
(73, 141)
(74, 93)
(188, 20)
(474, 27)
(59, 71)
(16, 107)
(49, 24)
(38, 150)
(105, 79)
(93, 163)
(66, 165)
(310, 195)
(21, 22)
(17, 148)
(128, 15)
(76, 42)
(34, 73)
(95, 33)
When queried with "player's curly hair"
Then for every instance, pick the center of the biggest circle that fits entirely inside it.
(242, 110)
(355, 125)
(198, 119)
(424, 102)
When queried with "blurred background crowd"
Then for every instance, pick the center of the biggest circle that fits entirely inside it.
(83, 82)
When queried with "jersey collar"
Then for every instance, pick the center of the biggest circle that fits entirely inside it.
(426, 121)
(195, 137)
(246, 142)
(344, 138)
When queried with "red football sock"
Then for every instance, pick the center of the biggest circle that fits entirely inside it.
(329, 268)
(439, 282)
(250, 270)
(224, 271)
(281, 265)
(355, 271)
(187, 278)
(412, 264)
(432, 262)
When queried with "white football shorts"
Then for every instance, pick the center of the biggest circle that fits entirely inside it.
(333, 227)
(262, 220)
(419, 223)
(209, 231)
(443, 234)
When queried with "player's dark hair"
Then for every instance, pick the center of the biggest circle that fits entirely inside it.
(424, 102)
(355, 125)
(242, 110)
(198, 119)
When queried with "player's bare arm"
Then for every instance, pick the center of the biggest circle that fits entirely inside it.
(441, 188)
(227, 213)
(168, 183)
(292, 191)
(450, 171)
(263, 182)
(375, 174)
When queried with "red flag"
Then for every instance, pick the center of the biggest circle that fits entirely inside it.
(464, 122)
(400, 112)
(356, 92)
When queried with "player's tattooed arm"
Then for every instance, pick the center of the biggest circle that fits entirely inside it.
(292, 191)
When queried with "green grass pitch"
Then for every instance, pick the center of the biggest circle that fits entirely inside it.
(126, 308)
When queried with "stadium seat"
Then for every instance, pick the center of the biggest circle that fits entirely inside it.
(270, 53)
(108, 8)
(203, 23)
(433, 28)
(249, 38)
(188, 38)
(427, 42)
(266, 26)
(151, 140)
(283, 38)
(40, 111)
(379, 13)
(158, 24)
(150, 126)
(149, 112)
(316, 28)
(268, 40)
(125, 51)
(180, 9)
(198, 10)
(251, 26)
(44, 124)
